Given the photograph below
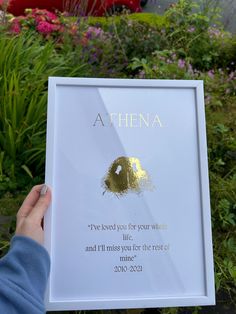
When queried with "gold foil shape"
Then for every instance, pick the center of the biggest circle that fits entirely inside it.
(126, 175)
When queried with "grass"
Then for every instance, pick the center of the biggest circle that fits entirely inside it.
(26, 63)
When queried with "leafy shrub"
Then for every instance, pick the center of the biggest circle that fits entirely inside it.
(95, 47)
(191, 30)
(183, 29)
(25, 65)
(42, 21)
(164, 64)
(150, 19)
(220, 93)
(137, 39)
(23, 101)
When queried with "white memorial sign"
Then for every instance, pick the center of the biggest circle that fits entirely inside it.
(129, 224)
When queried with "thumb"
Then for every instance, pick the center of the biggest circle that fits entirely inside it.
(41, 206)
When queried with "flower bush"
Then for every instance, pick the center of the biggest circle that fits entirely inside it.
(163, 64)
(41, 21)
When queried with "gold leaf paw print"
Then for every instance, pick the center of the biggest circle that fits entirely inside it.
(126, 175)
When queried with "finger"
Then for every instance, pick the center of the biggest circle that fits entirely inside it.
(38, 211)
(30, 201)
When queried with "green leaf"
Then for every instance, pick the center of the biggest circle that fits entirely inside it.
(27, 171)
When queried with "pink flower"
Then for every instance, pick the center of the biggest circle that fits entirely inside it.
(45, 28)
(44, 14)
(211, 74)
(181, 63)
(190, 69)
(39, 18)
(214, 32)
(94, 31)
(15, 27)
(191, 29)
(173, 56)
(51, 16)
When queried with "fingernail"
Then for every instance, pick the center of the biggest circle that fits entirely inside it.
(43, 190)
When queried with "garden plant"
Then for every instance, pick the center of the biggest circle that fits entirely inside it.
(184, 43)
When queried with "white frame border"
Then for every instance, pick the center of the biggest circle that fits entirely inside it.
(209, 298)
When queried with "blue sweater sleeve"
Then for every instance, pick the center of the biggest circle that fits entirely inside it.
(24, 272)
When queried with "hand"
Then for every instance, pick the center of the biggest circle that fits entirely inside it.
(29, 218)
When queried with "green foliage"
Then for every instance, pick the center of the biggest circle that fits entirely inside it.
(221, 116)
(190, 29)
(150, 19)
(25, 65)
(95, 48)
(183, 28)
(133, 36)
(136, 39)
(162, 65)
(24, 71)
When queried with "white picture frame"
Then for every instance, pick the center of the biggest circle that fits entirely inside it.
(163, 121)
